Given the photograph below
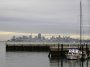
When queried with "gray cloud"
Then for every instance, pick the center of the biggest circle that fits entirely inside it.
(51, 16)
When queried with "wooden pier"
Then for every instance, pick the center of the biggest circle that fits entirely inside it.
(62, 49)
(54, 49)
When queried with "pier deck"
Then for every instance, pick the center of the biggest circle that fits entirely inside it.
(10, 46)
(55, 49)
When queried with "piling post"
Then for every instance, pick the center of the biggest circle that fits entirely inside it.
(49, 52)
(58, 54)
(61, 55)
(58, 51)
(61, 50)
(82, 51)
(87, 50)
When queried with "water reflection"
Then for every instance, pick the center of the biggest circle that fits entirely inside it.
(2, 54)
(68, 63)
(87, 63)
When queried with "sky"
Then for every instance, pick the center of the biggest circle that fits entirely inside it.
(43, 16)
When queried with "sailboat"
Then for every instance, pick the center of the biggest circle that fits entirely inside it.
(74, 54)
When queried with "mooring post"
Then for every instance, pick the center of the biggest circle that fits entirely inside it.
(58, 55)
(49, 52)
(87, 50)
(58, 51)
(61, 50)
(61, 55)
(82, 52)
(58, 47)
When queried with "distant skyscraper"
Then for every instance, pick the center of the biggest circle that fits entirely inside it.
(13, 38)
(30, 36)
(39, 36)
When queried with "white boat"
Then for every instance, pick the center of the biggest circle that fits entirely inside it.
(74, 54)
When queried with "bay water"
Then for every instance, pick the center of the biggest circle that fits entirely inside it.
(40, 59)
(35, 59)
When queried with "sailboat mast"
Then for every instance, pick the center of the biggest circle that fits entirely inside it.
(80, 22)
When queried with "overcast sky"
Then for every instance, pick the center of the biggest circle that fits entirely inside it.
(44, 16)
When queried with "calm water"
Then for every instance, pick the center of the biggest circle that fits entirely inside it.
(2, 54)
(34, 59)
(39, 59)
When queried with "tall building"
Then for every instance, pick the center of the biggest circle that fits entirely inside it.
(13, 38)
(39, 36)
(30, 36)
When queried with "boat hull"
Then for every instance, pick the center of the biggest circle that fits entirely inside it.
(73, 57)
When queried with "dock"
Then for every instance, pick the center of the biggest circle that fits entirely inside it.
(61, 50)
(55, 49)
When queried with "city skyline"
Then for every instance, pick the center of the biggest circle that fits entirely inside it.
(41, 38)
(7, 35)
(48, 36)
